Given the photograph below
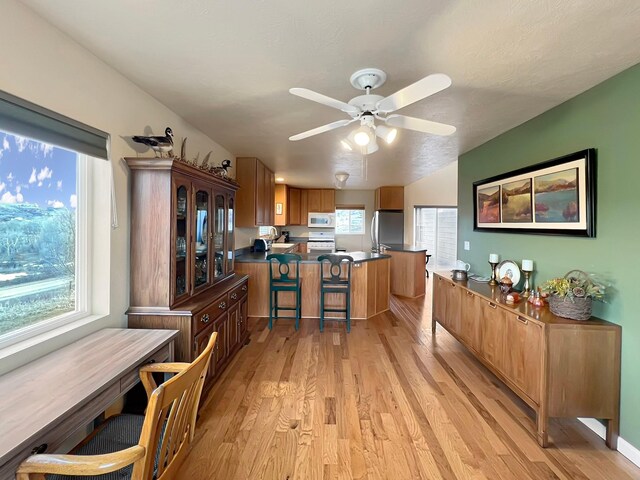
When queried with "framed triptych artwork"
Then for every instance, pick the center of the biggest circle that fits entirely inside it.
(556, 197)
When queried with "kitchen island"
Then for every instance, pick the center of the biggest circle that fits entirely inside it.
(408, 264)
(369, 284)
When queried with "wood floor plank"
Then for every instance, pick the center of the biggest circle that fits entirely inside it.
(386, 401)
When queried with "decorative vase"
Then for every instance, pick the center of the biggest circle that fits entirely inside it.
(574, 308)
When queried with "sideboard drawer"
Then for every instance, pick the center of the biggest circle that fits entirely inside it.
(238, 292)
(207, 315)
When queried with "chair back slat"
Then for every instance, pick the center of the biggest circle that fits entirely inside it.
(170, 419)
(280, 267)
(335, 269)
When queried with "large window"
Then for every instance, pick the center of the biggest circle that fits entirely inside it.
(38, 232)
(350, 220)
(436, 229)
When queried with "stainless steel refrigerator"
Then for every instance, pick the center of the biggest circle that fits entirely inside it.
(387, 228)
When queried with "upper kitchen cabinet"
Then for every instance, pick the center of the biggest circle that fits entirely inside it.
(321, 200)
(281, 206)
(256, 195)
(294, 207)
(390, 198)
(304, 207)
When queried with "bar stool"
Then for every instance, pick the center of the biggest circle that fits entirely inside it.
(284, 281)
(335, 282)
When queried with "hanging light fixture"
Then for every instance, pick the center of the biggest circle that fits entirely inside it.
(341, 179)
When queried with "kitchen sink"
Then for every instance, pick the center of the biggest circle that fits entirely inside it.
(282, 245)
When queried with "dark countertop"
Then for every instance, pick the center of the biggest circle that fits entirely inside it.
(258, 257)
(400, 247)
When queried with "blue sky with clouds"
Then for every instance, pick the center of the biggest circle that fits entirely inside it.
(37, 173)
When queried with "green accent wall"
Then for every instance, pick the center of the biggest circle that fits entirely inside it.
(607, 118)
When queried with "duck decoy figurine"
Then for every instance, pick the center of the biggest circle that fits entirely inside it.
(222, 170)
(159, 144)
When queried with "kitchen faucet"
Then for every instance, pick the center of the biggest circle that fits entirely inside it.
(273, 233)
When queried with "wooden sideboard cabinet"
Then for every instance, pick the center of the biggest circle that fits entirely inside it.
(182, 259)
(559, 367)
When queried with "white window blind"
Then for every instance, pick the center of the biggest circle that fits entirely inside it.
(436, 229)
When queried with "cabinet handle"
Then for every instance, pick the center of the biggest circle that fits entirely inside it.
(222, 305)
(244, 288)
(39, 449)
(469, 293)
(520, 318)
(234, 296)
(205, 318)
(492, 305)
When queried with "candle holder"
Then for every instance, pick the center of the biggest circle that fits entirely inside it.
(493, 280)
(526, 288)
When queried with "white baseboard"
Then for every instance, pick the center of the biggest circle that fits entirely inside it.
(624, 447)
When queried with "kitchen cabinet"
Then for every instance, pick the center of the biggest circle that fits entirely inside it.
(281, 205)
(389, 198)
(321, 200)
(182, 261)
(559, 367)
(294, 207)
(256, 193)
(304, 207)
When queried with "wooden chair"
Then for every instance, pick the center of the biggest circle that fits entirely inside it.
(337, 279)
(283, 280)
(165, 432)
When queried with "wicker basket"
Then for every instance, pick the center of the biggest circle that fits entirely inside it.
(573, 308)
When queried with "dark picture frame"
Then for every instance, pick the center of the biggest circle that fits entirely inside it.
(555, 197)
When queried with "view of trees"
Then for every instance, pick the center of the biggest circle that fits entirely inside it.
(37, 263)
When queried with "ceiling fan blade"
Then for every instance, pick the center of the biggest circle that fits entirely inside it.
(323, 99)
(416, 91)
(322, 129)
(420, 125)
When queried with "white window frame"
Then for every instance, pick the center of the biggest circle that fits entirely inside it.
(83, 264)
(364, 214)
(435, 260)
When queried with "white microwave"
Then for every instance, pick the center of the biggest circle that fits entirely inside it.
(322, 220)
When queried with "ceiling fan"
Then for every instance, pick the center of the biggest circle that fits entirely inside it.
(368, 108)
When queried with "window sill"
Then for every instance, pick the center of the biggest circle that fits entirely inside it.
(25, 351)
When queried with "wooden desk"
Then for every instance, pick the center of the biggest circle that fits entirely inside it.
(46, 401)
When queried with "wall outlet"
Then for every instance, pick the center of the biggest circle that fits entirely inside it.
(467, 245)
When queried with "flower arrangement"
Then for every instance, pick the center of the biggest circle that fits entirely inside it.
(572, 296)
(575, 284)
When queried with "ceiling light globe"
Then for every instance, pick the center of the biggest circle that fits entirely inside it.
(362, 138)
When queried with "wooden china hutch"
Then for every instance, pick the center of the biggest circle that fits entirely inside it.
(182, 259)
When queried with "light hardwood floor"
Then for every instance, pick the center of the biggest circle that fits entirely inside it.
(385, 401)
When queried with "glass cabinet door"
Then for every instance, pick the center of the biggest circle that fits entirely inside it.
(180, 265)
(201, 239)
(218, 236)
(230, 234)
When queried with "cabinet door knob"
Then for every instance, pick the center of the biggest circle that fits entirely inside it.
(222, 305)
(234, 296)
(205, 318)
(492, 305)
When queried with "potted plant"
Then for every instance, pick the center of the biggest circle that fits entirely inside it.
(572, 296)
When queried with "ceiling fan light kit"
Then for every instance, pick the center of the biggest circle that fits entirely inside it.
(386, 133)
(368, 108)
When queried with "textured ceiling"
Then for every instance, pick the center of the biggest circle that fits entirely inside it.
(226, 67)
